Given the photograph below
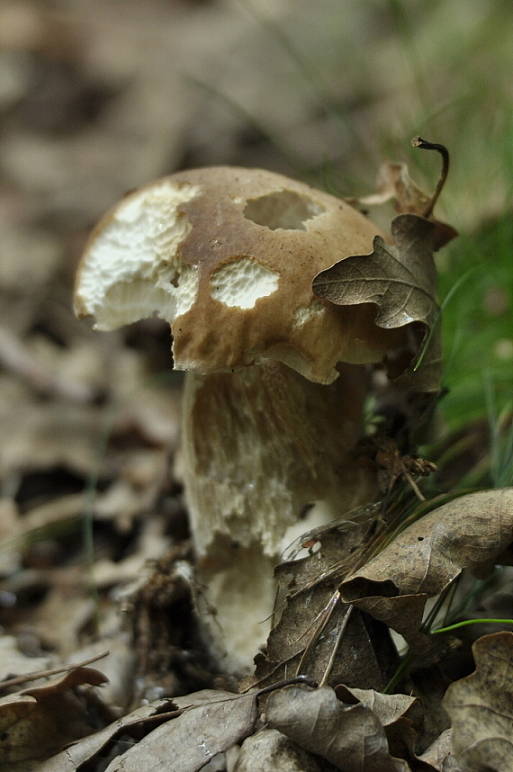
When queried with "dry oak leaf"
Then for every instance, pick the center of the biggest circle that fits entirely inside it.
(400, 715)
(470, 532)
(211, 723)
(270, 751)
(305, 589)
(481, 708)
(389, 708)
(400, 280)
(439, 756)
(349, 736)
(38, 721)
(85, 750)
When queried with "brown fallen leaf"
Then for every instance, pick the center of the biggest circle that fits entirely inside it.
(211, 722)
(36, 722)
(400, 280)
(400, 715)
(270, 751)
(429, 685)
(481, 707)
(394, 182)
(72, 758)
(439, 756)
(349, 736)
(469, 532)
(389, 708)
(307, 598)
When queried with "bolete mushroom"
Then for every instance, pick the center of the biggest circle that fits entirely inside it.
(270, 415)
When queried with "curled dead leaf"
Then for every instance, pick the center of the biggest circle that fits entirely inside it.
(75, 677)
(270, 751)
(470, 532)
(307, 602)
(211, 722)
(36, 722)
(400, 715)
(389, 708)
(400, 280)
(71, 759)
(349, 736)
(481, 707)
(439, 756)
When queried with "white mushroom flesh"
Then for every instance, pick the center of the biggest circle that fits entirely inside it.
(132, 271)
(241, 283)
(261, 445)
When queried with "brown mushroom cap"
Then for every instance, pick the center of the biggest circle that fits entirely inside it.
(227, 255)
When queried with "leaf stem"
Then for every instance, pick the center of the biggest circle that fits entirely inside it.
(35, 675)
(424, 144)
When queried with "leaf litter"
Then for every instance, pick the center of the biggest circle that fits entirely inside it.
(481, 707)
(350, 737)
(210, 722)
(307, 596)
(38, 720)
(472, 532)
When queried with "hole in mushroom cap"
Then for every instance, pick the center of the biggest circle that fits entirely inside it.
(241, 283)
(282, 209)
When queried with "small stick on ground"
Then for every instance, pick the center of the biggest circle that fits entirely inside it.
(37, 674)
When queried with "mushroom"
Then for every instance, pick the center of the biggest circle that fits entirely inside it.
(270, 415)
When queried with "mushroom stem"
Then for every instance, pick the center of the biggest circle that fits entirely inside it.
(266, 457)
